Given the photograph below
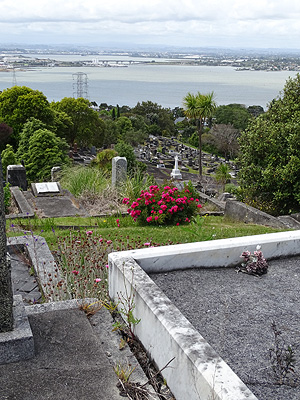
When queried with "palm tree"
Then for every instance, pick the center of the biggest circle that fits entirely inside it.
(199, 107)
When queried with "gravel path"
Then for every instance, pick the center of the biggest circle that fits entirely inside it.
(234, 313)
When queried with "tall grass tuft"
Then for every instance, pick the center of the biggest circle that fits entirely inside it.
(132, 187)
(80, 179)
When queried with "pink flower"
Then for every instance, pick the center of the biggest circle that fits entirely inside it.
(117, 220)
(149, 219)
(125, 200)
(97, 280)
(199, 206)
(100, 240)
(160, 211)
(106, 265)
(109, 241)
(75, 272)
(134, 204)
(156, 218)
(147, 244)
(177, 223)
(89, 232)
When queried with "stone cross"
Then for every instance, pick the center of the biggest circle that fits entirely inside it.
(6, 296)
(175, 174)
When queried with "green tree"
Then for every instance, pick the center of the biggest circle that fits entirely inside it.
(255, 111)
(87, 128)
(222, 175)
(31, 126)
(270, 154)
(233, 114)
(8, 158)
(45, 150)
(199, 107)
(104, 158)
(125, 150)
(155, 114)
(20, 103)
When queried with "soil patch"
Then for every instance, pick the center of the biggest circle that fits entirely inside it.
(234, 313)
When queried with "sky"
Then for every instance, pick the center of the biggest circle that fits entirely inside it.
(181, 23)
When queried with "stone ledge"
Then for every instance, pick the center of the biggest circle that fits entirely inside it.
(25, 209)
(17, 345)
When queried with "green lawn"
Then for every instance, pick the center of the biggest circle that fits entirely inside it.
(204, 228)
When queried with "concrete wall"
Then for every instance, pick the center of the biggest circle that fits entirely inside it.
(242, 212)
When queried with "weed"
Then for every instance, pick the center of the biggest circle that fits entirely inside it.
(90, 308)
(124, 372)
(126, 306)
(282, 358)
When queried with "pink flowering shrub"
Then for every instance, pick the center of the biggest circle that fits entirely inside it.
(164, 205)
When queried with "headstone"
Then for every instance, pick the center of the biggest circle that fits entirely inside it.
(93, 151)
(175, 174)
(55, 172)
(16, 176)
(6, 296)
(119, 170)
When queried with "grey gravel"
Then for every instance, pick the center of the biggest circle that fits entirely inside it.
(234, 311)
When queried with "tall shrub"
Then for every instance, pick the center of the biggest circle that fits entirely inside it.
(270, 155)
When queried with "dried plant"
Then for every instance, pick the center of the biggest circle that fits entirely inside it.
(282, 358)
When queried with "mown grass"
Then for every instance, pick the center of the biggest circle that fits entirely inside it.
(202, 229)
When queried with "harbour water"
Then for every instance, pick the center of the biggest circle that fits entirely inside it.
(161, 83)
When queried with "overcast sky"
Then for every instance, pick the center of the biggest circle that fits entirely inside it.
(188, 23)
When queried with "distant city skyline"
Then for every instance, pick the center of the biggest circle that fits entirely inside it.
(185, 23)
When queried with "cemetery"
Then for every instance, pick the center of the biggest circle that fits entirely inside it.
(171, 326)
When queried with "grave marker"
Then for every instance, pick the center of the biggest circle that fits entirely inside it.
(55, 172)
(175, 174)
(16, 176)
(119, 170)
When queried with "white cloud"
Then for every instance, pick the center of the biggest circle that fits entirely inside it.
(186, 22)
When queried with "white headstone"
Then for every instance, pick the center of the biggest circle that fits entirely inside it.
(119, 170)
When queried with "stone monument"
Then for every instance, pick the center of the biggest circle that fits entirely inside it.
(55, 173)
(175, 174)
(16, 176)
(119, 170)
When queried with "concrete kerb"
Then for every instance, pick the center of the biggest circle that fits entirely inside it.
(197, 371)
(25, 209)
(41, 258)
